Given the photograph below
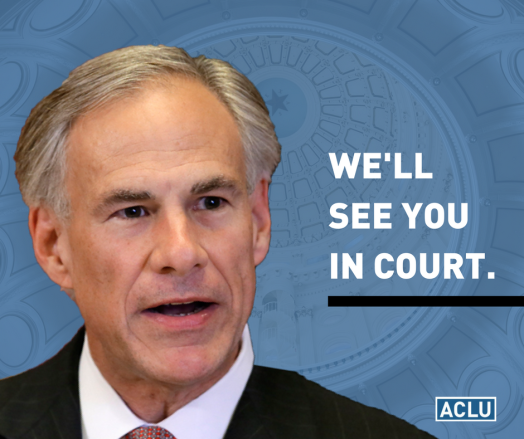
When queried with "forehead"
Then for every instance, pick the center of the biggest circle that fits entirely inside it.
(164, 128)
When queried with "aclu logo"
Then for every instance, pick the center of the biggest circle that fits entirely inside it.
(465, 409)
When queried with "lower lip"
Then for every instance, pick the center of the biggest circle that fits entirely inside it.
(180, 323)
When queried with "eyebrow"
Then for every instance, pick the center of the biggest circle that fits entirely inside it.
(218, 182)
(122, 196)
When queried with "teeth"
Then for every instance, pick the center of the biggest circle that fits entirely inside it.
(181, 303)
(187, 313)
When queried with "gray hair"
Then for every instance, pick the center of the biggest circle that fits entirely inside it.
(41, 152)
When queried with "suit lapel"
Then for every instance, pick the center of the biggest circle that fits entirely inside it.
(43, 403)
(246, 422)
(274, 405)
(60, 421)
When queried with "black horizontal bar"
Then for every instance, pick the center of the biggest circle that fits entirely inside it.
(444, 301)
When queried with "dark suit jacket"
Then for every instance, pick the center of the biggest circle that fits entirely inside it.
(43, 403)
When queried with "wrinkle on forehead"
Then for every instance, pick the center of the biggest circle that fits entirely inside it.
(156, 167)
(124, 149)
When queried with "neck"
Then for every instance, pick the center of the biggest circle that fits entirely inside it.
(150, 399)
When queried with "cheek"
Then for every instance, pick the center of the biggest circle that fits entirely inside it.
(233, 259)
(99, 273)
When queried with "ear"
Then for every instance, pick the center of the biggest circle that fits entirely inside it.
(261, 220)
(51, 246)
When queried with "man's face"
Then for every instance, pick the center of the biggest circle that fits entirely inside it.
(163, 239)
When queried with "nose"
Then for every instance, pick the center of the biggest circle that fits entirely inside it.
(177, 249)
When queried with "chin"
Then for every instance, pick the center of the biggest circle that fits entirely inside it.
(187, 366)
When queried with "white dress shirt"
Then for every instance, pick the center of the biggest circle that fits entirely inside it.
(106, 416)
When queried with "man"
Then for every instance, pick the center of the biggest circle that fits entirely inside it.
(146, 174)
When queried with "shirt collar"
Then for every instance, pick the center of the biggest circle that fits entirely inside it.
(106, 416)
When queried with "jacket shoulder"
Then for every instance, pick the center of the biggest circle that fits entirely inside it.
(332, 415)
(27, 399)
(54, 372)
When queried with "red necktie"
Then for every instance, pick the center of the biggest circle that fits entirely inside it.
(149, 433)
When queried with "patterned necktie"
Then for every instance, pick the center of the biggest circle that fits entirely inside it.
(149, 433)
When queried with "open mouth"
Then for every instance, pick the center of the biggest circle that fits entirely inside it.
(180, 309)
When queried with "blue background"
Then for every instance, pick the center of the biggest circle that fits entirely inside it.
(445, 78)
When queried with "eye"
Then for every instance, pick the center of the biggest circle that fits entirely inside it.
(210, 203)
(132, 212)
